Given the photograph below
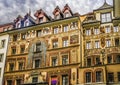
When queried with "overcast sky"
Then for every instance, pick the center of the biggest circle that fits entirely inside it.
(10, 9)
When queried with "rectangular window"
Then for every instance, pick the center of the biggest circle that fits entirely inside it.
(11, 66)
(22, 49)
(1, 57)
(65, 80)
(39, 33)
(66, 15)
(54, 61)
(65, 28)
(106, 17)
(20, 67)
(18, 81)
(14, 37)
(13, 50)
(118, 59)
(9, 82)
(110, 77)
(38, 47)
(23, 36)
(109, 59)
(108, 43)
(89, 62)
(98, 76)
(118, 74)
(55, 30)
(115, 29)
(107, 29)
(65, 43)
(96, 31)
(117, 42)
(34, 79)
(88, 45)
(2, 43)
(37, 63)
(88, 32)
(55, 44)
(97, 44)
(64, 59)
(88, 77)
(98, 61)
(41, 20)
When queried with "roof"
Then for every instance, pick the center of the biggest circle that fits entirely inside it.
(105, 6)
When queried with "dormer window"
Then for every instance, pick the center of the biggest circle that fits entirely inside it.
(57, 16)
(26, 23)
(18, 25)
(106, 17)
(66, 15)
(41, 20)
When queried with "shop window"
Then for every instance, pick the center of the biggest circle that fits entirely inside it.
(65, 80)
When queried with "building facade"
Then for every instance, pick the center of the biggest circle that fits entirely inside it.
(46, 53)
(101, 41)
(3, 51)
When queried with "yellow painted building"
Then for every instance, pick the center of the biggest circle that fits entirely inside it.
(101, 41)
(46, 53)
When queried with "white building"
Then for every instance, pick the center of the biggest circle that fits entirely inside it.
(3, 50)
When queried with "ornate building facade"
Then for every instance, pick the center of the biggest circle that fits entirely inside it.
(46, 53)
(101, 41)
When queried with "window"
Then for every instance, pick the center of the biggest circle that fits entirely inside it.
(115, 29)
(11, 66)
(55, 44)
(22, 49)
(9, 82)
(66, 15)
(88, 77)
(39, 33)
(97, 44)
(0, 72)
(88, 32)
(98, 76)
(34, 79)
(118, 74)
(108, 43)
(20, 67)
(57, 16)
(98, 61)
(110, 77)
(106, 17)
(88, 45)
(1, 57)
(65, 80)
(107, 29)
(65, 43)
(65, 28)
(13, 50)
(18, 81)
(38, 47)
(14, 37)
(2, 43)
(89, 62)
(56, 30)
(64, 59)
(26, 23)
(109, 59)
(54, 61)
(117, 42)
(37, 63)
(118, 59)
(41, 20)
(23, 36)
(96, 31)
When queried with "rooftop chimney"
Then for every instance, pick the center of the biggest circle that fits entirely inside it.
(116, 4)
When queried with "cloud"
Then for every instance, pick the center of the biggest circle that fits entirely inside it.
(10, 9)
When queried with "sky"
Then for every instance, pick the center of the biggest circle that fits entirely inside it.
(10, 9)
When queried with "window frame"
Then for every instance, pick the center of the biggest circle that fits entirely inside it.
(106, 18)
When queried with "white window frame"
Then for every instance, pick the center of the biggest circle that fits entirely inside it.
(88, 45)
(56, 30)
(96, 31)
(107, 29)
(106, 17)
(108, 43)
(97, 44)
(115, 28)
(65, 28)
(88, 32)
(65, 43)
